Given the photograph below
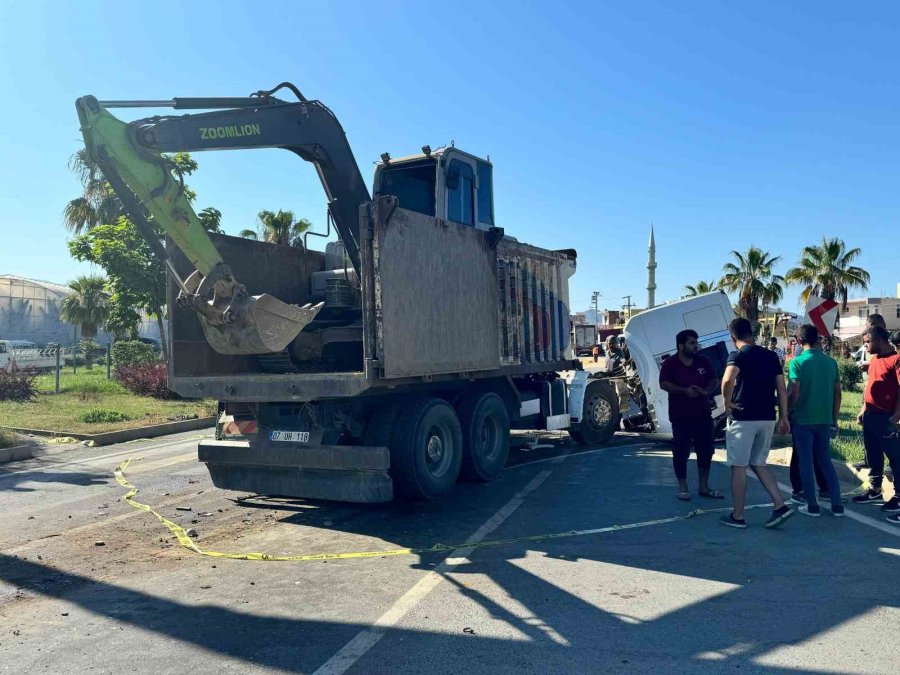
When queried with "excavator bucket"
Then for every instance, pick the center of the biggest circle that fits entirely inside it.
(262, 325)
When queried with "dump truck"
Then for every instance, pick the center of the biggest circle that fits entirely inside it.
(395, 362)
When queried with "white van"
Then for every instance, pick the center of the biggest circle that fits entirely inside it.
(24, 354)
(650, 338)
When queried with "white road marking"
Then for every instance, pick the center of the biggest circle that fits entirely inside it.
(364, 641)
(852, 515)
(639, 446)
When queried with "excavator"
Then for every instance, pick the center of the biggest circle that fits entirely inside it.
(396, 361)
(132, 160)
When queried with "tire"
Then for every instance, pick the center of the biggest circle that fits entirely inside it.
(426, 449)
(599, 415)
(485, 432)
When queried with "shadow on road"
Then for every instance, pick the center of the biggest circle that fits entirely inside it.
(774, 589)
(12, 482)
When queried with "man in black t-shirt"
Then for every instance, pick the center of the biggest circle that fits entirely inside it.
(753, 379)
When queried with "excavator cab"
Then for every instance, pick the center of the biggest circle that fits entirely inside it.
(445, 183)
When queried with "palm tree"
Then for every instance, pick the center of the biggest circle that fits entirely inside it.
(751, 276)
(700, 288)
(279, 228)
(87, 305)
(97, 204)
(826, 271)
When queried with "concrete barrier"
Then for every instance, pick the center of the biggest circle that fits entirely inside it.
(110, 437)
(16, 453)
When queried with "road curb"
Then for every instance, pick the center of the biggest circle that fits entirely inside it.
(111, 437)
(845, 471)
(16, 453)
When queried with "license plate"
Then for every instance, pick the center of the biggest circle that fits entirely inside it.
(289, 436)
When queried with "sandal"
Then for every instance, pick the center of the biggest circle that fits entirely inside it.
(684, 496)
(712, 494)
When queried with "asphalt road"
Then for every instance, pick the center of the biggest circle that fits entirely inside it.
(818, 595)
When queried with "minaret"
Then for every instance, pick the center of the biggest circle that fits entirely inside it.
(651, 272)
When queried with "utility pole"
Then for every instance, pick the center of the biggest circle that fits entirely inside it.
(627, 306)
(595, 297)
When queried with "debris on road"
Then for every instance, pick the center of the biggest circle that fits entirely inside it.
(192, 533)
(99, 543)
(183, 508)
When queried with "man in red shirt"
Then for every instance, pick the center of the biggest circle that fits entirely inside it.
(880, 416)
(690, 381)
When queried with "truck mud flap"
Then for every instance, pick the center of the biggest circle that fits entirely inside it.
(334, 472)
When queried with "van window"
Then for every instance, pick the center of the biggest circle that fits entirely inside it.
(718, 356)
(460, 193)
(2, 348)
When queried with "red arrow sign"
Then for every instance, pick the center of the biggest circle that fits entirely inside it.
(816, 313)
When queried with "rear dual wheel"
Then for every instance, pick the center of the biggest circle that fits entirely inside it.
(431, 445)
(485, 428)
(425, 441)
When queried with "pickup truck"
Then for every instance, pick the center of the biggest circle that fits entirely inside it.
(24, 354)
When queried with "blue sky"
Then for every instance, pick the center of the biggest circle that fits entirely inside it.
(723, 124)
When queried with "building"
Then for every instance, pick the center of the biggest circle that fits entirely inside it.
(578, 319)
(612, 317)
(29, 310)
(852, 321)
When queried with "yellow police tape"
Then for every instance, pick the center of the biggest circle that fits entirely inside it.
(188, 543)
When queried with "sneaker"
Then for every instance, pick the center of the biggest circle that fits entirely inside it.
(861, 465)
(869, 497)
(894, 519)
(807, 510)
(779, 516)
(892, 505)
(837, 511)
(797, 498)
(729, 520)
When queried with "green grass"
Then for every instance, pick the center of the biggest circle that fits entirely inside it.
(87, 391)
(7, 440)
(848, 446)
(86, 381)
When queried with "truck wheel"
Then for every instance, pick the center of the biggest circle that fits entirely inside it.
(599, 416)
(485, 431)
(426, 449)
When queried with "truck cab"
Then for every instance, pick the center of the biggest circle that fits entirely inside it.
(650, 337)
(444, 183)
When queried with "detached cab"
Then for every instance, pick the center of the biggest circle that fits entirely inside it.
(650, 337)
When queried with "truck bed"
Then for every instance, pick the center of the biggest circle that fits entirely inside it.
(439, 300)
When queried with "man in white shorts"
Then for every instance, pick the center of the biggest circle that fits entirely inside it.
(753, 378)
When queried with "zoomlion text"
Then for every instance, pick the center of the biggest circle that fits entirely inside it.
(232, 131)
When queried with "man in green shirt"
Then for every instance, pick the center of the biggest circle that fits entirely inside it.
(814, 399)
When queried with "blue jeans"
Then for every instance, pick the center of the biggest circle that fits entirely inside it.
(813, 441)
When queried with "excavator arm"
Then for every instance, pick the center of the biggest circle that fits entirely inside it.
(130, 155)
